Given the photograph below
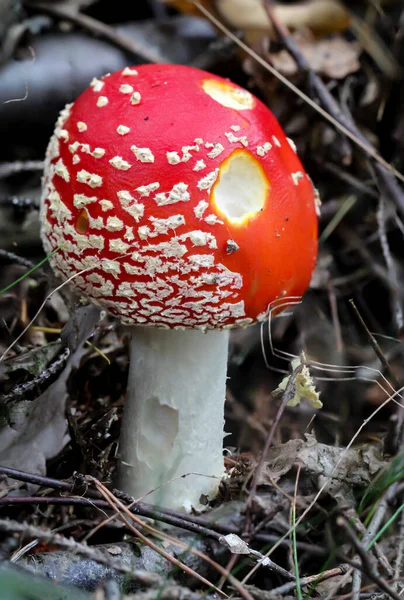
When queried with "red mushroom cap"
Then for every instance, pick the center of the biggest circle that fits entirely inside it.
(176, 200)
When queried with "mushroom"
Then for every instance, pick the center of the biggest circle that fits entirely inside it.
(176, 203)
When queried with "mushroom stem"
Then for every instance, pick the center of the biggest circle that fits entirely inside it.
(174, 415)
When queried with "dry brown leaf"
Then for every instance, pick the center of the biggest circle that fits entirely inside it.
(342, 468)
(335, 58)
(280, 460)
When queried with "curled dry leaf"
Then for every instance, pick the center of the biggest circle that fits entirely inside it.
(335, 58)
(280, 460)
(38, 430)
(32, 362)
(343, 470)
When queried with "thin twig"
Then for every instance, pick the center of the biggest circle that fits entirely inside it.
(349, 179)
(289, 391)
(368, 536)
(400, 552)
(367, 564)
(66, 11)
(287, 395)
(197, 525)
(373, 342)
(15, 258)
(123, 510)
(304, 581)
(391, 267)
(387, 184)
(19, 166)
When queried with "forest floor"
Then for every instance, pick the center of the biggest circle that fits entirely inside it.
(312, 503)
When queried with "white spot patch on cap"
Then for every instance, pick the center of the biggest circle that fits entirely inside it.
(73, 147)
(170, 249)
(96, 84)
(125, 197)
(135, 210)
(127, 72)
(202, 260)
(235, 127)
(199, 165)
(119, 163)
(114, 224)
(62, 134)
(292, 144)
(102, 101)
(118, 246)
(146, 190)
(122, 129)
(111, 266)
(64, 115)
(75, 159)
(217, 149)
(242, 188)
(95, 278)
(276, 141)
(106, 205)
(81, 126)
(125, 88)
(264, 149)
(135, 98)
(59, 209)
(98, 152)
(233, 139)
(213, 220)
(81, 200)
(97, 223)
(317, 199)
(231, 278)
(186, 152)
(199, 238)
(143, 232)
(90, 179)
(244, 322)
(179, 193)
(228, 94)
(297, 176)
(144, 155)
(200, 209)
(173, 158)
(162, 226)
(61, 170)
(206, 182)
(132, 269)
(125, 290)
(129, 235)
(237, 310)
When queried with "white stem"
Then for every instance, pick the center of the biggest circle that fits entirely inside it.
(174, 415)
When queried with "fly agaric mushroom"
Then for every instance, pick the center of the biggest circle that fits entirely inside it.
(178, 204)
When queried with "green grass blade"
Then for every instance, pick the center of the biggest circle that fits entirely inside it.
(385, 526)
(295, 561)
(34, 268)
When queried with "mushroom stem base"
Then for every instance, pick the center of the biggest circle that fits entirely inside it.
(173, 418)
